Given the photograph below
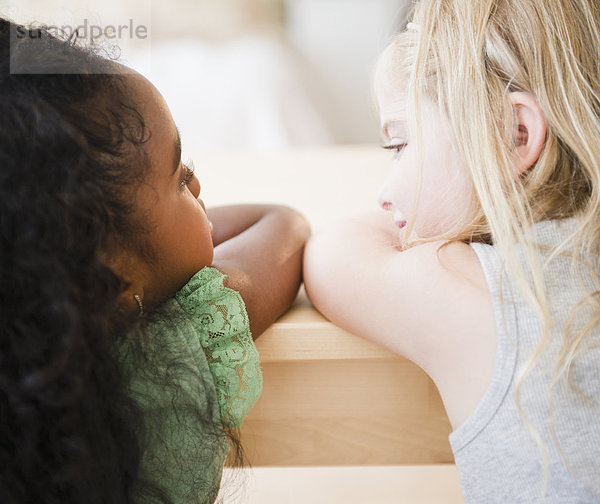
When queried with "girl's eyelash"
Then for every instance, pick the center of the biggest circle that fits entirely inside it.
(189, 173)
(395, 147)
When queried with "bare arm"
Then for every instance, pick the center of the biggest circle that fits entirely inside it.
(433, 308)
(231, 220)
(259, 248)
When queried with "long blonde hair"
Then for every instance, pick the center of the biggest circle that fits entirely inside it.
(468, 56)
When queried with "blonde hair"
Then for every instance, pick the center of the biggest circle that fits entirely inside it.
(468, 56)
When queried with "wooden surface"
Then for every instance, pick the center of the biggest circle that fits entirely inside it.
(329, 398)
(435, 484)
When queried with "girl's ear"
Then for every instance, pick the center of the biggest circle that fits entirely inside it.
(132, 297)
(530, 134)
(129, 267)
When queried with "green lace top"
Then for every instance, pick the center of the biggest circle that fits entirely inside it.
(192, 369)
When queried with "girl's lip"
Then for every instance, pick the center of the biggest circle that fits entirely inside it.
(202, 204)
(400, 223)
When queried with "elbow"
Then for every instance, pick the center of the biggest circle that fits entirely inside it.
(320, 268)
(295, 221)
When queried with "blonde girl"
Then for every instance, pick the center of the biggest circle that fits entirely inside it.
(485, 271)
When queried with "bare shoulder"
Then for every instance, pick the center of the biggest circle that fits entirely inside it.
(429, 303)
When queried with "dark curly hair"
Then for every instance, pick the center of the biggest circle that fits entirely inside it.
(71, 155)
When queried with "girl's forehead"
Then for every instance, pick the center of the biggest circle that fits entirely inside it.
(151, 103)
(157, 119)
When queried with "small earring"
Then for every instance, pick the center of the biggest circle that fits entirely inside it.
(139, 302)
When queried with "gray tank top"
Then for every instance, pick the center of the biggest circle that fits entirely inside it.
(497, 458)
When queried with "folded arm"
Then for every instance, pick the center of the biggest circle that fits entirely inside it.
(427, 303)
(259, 248)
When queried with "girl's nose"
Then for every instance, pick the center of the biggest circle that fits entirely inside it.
(383, 201)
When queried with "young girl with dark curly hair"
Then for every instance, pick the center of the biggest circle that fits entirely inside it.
(127, 310)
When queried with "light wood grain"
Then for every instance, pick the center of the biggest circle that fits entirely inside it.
(435, 484)
(346, 412)
(332, 398)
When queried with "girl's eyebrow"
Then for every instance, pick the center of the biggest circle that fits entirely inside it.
(177, 157)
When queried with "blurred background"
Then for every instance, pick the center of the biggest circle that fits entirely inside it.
(246, 75)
